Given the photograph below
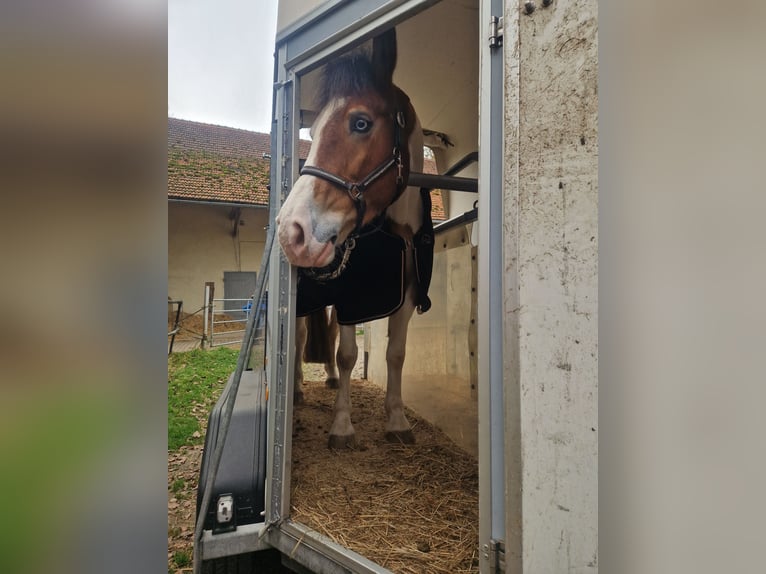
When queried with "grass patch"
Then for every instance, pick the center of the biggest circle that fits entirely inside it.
(181, 558)
(178, 485)
(195, 381)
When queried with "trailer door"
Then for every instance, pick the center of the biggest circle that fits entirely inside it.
(491, 287)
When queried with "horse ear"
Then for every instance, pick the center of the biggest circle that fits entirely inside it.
(384, 57)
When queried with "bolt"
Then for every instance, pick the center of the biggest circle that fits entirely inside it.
(529, 7)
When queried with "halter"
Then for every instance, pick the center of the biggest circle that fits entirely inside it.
(356, 189)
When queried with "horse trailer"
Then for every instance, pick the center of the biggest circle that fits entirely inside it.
(504, 364)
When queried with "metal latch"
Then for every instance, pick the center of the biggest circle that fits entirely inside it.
(495, 32)
(225, 509)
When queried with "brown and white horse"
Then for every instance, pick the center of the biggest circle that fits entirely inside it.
(366, 139)
(316, 337)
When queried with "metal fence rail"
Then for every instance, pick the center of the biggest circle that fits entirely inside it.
(221, 311)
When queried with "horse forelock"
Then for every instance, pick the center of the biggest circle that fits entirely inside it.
(350, 75)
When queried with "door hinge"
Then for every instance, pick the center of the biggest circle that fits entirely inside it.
(495, 32)
(497, 556)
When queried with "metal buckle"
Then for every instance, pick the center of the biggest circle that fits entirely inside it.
(399, 166)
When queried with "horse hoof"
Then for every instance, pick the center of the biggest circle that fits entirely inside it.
(341, 442)
(298, 398)
(402, 437)
(332, 382)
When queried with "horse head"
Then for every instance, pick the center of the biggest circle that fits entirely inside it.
(359, 160)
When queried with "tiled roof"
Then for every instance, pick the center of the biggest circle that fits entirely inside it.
(216, 163)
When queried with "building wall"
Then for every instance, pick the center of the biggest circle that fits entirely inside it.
(201, 247)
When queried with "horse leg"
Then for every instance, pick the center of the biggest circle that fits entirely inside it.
(300, 344)
(342, 431)
(397, 426)
(331, 367)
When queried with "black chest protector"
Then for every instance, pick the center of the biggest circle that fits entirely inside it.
(372, 283)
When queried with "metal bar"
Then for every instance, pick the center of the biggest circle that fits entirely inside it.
(231, 321)
(246, 538)
(462, 163)
(281, 315)
(229, 408)
(317, 552)
(494, 327)
(491, 286)
(211, 322)
(288, 281)
(341, 25)
(322, 10)
(208, 299)
(254, 318)
(431, 181)
(462, 219)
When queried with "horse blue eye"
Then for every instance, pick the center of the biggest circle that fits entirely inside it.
(360, 125)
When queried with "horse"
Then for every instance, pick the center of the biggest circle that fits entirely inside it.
(352, 199)
(315, 338)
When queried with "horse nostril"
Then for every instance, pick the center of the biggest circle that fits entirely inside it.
(333, 239)
(297, 236)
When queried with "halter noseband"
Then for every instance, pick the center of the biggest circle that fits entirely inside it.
(356, 189)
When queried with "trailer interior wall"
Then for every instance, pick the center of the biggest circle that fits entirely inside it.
(439, 378)
(550, 257)
(438, 67)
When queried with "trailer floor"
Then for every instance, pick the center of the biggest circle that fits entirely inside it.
(409, 508)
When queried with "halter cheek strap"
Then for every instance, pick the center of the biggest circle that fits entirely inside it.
(356, 189)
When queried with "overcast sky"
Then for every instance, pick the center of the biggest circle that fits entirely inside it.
(221, 61)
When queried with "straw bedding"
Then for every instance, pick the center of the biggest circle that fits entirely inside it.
(410, 508)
